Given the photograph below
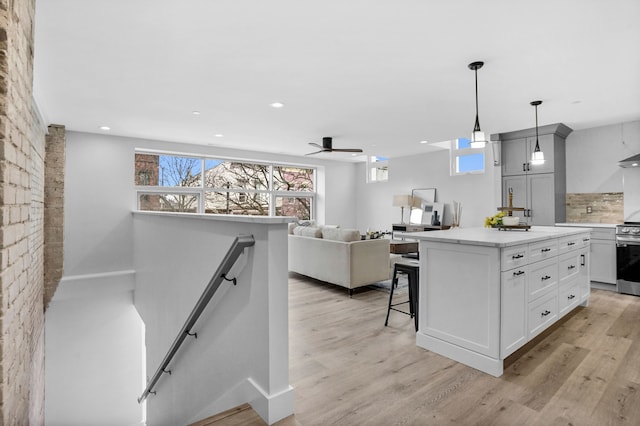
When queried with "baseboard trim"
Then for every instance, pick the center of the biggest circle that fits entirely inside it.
(274, 407)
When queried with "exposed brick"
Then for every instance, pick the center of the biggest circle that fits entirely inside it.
(21, 230)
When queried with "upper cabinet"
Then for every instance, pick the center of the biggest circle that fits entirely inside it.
(516, 155)
(516, 149)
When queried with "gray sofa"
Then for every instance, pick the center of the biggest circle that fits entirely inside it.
(338, 256)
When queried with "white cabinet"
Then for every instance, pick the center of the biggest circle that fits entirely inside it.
(603, 255)
(503, 296)
(513, 322)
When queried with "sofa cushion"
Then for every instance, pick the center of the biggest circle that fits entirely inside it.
(293, 225)
(337, 234)
(308, 231)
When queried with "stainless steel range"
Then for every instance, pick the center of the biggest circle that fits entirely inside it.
(628, 257)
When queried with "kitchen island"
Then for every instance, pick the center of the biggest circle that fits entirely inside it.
(485, 293)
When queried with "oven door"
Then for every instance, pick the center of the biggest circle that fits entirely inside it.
(628, 266)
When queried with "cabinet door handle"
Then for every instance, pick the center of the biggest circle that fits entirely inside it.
(582, 260)
(545, 313)
(571, 296)
(546, 277)
(515, 274)
(571, 267)
(517, 256)
(524, 167)
(546, 249)
(586, 239)
(571, 243)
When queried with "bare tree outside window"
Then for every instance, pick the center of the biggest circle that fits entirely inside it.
(224, 186)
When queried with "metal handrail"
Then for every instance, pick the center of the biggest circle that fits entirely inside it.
(236, 249)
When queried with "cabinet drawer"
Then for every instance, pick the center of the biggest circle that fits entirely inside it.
(513, 257)
(568, 266)
(542, 313)
(543, 250)
(570, 296)
(542, 278)
(572, 242)
(603, 234)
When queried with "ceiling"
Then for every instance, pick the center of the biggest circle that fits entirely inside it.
(378, 75)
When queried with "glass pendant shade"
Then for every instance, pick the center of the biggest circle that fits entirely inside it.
(537, 156)
(478, 139)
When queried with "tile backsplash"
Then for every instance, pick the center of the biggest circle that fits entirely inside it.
(595, 207)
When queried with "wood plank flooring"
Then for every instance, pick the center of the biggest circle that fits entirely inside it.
(347, 368)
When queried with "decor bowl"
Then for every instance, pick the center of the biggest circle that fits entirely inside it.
(510, 220)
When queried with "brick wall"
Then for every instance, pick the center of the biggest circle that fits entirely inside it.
(54, 210)
(21, 222)
(596, 207)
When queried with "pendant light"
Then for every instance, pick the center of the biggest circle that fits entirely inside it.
(478, 139)
(537, 156)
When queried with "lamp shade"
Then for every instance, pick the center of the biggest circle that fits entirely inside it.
(478, 139)
(401, 200)
(537, 157)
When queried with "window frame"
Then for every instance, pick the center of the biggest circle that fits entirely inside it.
(202, 190)
(456, 153)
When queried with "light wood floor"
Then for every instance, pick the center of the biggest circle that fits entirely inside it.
(348, 369)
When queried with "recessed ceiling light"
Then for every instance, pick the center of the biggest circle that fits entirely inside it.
(424, 141)
(105, 128)
(634, 165)
(195, 112)
(219, 135)
(277, 104)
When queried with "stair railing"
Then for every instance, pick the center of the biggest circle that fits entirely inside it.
(236, 249)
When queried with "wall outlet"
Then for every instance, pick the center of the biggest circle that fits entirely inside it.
(589, 209)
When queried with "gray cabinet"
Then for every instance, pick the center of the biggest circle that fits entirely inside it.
(516, 155)
(539, 189)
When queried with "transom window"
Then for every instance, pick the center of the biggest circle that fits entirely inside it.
(464, 159)
(166, 182)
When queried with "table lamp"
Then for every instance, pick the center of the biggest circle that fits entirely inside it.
(402, 201)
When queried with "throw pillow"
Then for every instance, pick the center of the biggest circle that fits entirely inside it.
(308, 231)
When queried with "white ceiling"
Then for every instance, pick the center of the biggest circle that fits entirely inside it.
(379, 75)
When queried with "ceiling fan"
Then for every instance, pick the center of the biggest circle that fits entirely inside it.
(327, 146)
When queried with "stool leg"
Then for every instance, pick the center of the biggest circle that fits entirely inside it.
(413, 301)
(394, 282)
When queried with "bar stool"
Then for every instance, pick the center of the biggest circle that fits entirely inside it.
(411, 269)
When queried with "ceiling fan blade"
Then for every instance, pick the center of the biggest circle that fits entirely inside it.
(316, 145)
(317, 152)
(347, 150)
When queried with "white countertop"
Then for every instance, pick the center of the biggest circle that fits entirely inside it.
(495, 238)
(589, 225)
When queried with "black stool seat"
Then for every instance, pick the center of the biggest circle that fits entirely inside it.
(412, 270)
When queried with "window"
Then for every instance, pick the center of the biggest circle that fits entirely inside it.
(464, 159)
(220, 186)
(377, 169)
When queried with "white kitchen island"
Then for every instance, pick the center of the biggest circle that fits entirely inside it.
(484, 293)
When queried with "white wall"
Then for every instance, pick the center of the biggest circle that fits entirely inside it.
(99, 196)
(94, 354)
(479, 194)
(89, 311)
(241, 353)
(593, 155)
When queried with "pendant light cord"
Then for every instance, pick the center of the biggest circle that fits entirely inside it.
(476, 128)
